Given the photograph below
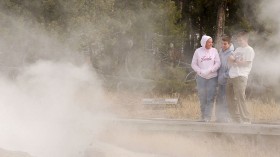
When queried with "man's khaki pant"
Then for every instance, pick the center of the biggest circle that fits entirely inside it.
(236, 98)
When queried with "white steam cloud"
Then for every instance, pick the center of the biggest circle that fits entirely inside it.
(55, 108)
(267, 45)
(45, 111)
(54, 104)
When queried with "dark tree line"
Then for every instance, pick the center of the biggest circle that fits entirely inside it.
(195, 16)
(112, 28)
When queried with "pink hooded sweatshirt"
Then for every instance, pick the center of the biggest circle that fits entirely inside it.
(206, 62)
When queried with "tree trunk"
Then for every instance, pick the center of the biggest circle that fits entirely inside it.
(220, 24)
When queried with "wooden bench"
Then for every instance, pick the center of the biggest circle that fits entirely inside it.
(161, 102)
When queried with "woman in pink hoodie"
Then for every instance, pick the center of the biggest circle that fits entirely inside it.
(205, 63)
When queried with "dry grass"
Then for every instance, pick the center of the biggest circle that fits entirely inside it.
(126, 104)
(269, 111)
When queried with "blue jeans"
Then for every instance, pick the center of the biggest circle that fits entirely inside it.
(206, 92)
(222, 113)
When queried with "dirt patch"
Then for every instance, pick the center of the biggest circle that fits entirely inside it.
(6, 153)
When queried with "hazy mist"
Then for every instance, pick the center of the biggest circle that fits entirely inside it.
(266, 45)
(53, 104)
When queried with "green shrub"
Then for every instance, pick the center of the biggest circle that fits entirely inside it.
(171, 80)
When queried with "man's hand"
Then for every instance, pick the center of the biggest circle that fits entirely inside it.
(242, 63)
(231, 59)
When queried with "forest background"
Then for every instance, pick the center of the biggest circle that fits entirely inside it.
(139, 41)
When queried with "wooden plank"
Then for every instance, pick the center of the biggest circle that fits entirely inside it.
(159, 101)
(194, 126)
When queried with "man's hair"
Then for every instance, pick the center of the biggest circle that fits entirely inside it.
(243, 34)
(226, 38)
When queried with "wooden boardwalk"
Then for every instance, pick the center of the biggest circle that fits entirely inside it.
(195, 126)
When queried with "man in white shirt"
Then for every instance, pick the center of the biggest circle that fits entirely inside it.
(240, 66)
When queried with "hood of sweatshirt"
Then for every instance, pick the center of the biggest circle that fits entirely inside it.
(230, 49)
(204, 40)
